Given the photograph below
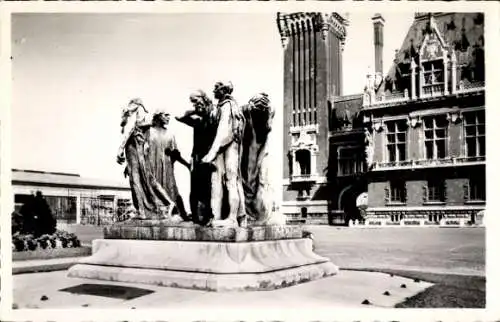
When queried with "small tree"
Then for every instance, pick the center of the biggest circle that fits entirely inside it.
(37, 218)
(45, 223)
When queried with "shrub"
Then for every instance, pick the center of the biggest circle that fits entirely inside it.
(52, 241)
(18, 242)
(43, 241)
(16, 222)
(31, 242)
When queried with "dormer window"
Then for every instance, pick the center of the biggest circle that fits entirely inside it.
(433, 75)
(433, 63)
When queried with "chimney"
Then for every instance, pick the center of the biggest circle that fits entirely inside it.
(378, 41)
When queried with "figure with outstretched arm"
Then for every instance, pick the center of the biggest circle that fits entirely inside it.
(224, 154)
(203, 118)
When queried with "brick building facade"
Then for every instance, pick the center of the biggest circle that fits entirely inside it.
(427, 125)
(414, 140)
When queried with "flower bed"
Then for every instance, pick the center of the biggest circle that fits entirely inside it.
(58, 240)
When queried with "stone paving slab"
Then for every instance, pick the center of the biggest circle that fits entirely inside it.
(346, 289)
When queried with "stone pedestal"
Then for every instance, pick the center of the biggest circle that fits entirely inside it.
(224, 259)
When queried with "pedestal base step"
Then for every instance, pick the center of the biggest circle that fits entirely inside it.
(212, 266)
(206, 281)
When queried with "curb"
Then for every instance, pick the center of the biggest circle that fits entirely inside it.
(60, 265)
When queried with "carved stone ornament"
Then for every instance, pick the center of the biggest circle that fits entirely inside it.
(425, 191)
(454, 117)
(413, 121)
(367, 119)
(466, 191)
(304, 140)
(378, 126)
(432, 49)
(284, 41)
(324, 31)
(325, 26)
(387, 195)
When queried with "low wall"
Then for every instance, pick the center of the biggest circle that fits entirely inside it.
(310, 219)
(51, 253)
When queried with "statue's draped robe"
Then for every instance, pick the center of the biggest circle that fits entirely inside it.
(148, 196)
(162, 153)
(253, 162)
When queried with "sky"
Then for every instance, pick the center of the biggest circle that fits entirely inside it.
(73, 73)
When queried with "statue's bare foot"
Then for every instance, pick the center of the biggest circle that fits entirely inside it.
(137, 217)
(242, 221)
(259, 223)
(225, 223)
(276, 218)
(175, 219)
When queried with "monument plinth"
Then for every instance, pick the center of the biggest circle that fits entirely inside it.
(212, 259)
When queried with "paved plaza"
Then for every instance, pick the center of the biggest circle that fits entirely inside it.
(347, 289)
(434, 250)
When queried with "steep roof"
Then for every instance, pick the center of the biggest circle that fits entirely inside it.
(462, 32)
(346, 110)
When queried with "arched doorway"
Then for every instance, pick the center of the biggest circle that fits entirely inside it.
(303, 212)
(347, 203)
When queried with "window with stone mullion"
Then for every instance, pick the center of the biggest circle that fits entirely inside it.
(350, 160)
(436, 134)
(474, 128)
(477, 188)
(396, 141)
(398, 191)
(433, 77)
(436, 190)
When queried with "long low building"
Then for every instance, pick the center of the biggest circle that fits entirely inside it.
(72, 198)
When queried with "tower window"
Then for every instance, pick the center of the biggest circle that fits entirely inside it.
(303, 158)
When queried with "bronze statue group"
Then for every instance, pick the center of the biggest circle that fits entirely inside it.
(228, 160)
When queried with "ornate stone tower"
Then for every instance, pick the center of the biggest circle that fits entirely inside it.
(312, 45)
